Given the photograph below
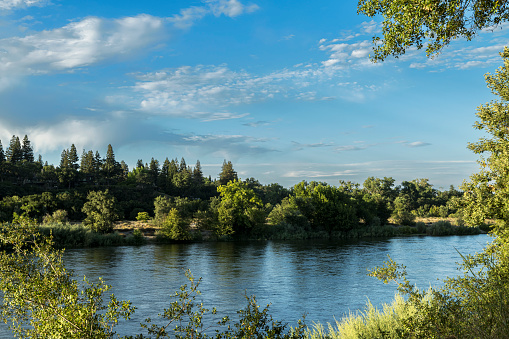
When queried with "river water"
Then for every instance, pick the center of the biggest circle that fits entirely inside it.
(323, 279)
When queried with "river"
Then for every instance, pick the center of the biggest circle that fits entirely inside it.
(323, 279)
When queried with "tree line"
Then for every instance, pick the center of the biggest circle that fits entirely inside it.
(100, 190)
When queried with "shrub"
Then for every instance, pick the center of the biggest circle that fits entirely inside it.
(421, 227)
(142, 216)
(100, 211)
(58, 217)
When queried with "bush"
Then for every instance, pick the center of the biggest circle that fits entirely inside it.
(58, 217)
(175, 227)
(100, 211)
(143, 216)
(421, 227)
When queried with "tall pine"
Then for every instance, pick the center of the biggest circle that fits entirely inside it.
(27, 152)
(14, 154)
(227, 173)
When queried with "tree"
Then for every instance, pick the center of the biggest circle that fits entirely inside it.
(14, 154)
(227, 173)
(100, 210)
(175, 227)
(486, 195)
(41, 299)
(110, 167)
(430, 23)
(238, 209)
(27, 153)
(2, 155)
(198, 174)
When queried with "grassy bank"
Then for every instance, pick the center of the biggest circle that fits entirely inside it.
(76, 235)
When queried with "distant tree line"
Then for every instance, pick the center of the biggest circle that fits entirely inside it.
(173, 193)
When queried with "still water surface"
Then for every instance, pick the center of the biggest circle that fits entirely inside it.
(323, 279)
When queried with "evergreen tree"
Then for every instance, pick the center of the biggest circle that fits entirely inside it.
(110, 166)
(124, 170)
(2, 155)
(14, 154)
(139, 164)
(183, 165)
(153, 169)
(227, 173)
(27, 153)
(197, 173)
(97, 162)
(72, 154)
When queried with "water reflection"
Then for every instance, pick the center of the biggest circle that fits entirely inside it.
(324, 279)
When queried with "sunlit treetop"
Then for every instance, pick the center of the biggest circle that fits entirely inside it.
(432, 24)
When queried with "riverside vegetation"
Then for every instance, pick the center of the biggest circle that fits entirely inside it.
(40, 298)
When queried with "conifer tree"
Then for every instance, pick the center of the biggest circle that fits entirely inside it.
(110, 166)
(14, 154)
(197, 173)
(27, 153)
(227, 173)
(2, 155)
(72, 154)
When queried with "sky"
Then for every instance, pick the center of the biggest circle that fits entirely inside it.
(283, 89)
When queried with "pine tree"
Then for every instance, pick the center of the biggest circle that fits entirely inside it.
(2, 155)
(227, 173)
(110, 166)
(27, 153)
(72, 154)
(197, 173)
(97, 162)
(14, 154)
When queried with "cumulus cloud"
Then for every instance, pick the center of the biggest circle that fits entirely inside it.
(78, 44)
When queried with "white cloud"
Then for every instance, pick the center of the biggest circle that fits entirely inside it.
(229, 8)
(12, 4)
(417, 144)
(78, 44)
(57, 136)
(207, 91)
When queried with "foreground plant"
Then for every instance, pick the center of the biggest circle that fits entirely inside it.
(41, 299)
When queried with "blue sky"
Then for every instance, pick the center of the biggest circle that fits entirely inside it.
(283, 89)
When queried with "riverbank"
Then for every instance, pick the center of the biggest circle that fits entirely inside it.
(133, 233)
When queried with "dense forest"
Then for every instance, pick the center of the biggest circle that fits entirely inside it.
(100, 190)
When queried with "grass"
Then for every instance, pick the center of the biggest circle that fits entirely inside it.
(370, 323)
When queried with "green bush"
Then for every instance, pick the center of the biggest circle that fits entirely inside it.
(142, 216)
(59, 216)
(421, 227)
(100, 210)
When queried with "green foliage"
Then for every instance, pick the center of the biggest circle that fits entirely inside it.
(473, 305)
(402, 214)
(57, 217)
(40, 297)
(227, 173)
(326, 207)
(143, 216)
(175, 227)
(370, 323)
(100, 210)
(487, 191)
(239, 209)
(432, 24)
